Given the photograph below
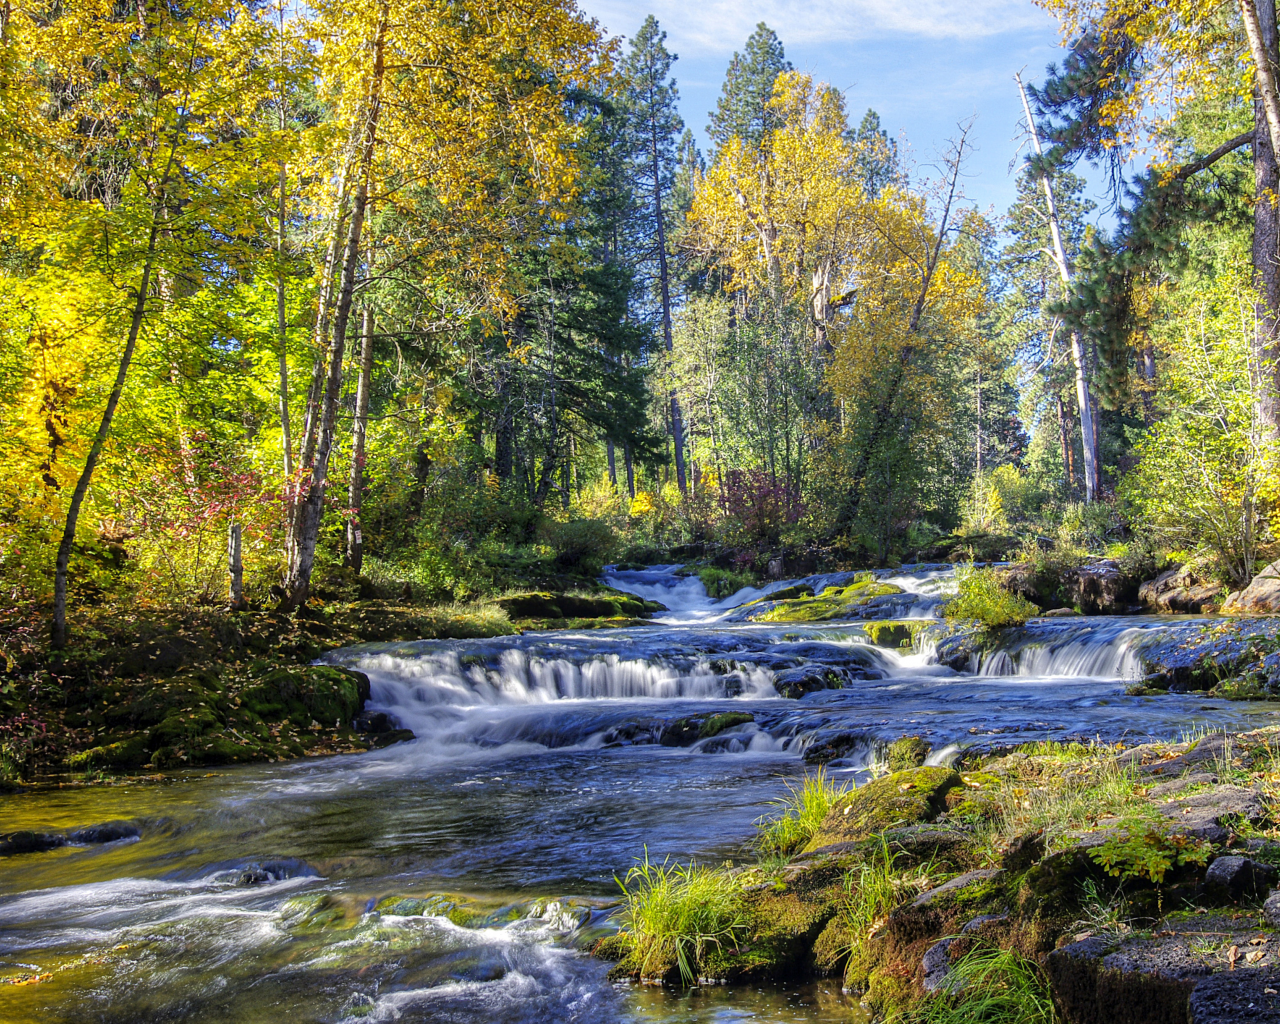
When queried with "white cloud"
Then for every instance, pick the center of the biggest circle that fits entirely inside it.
(718, 27)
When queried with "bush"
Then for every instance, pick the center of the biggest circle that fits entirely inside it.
(980, 597)
(802, 813)
(581, 544)
(721, 583)
(675, 911)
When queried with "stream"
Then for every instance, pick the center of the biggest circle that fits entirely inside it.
(458, 877)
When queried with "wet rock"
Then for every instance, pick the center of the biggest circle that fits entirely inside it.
(717, 724)
(1059, 613)
(373, 722)
(908, 752)
(29, 842)
(682, 732)
(796, 682)
(1261, 597)
(108, 832)
(831, 746)
(1178, 592)
(902, 798)
(385, 739)
(1238, 877)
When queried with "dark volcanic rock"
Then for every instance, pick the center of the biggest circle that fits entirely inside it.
(1210, 815)
(29, 842)
(108, 832)
(1238, 877)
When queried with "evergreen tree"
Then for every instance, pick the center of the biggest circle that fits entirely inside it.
(651, 99)
(877, 158)
(743, 108)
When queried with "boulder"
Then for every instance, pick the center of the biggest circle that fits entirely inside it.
(1261, 597)
(1179, 592)
(1203, 970)
(908, 752)
(902, 798)
(1238, 877)
(1271, 910)
(1099, 588)
(1211, 815)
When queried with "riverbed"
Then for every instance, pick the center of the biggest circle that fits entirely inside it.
(461, 876)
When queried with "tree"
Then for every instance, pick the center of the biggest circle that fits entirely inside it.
(145, 97)
(745, 109)
(651, 99)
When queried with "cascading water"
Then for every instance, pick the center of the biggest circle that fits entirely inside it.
(455, 877)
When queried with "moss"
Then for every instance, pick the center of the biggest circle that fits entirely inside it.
(612, 948)
(908, 752)
(831, 949)
(902, 798)
(717, 724)
(784, 927)
(894, 635)
(832, 603)
(130, 753)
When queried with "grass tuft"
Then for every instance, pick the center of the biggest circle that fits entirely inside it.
(677, 912)
(800, 817)
(991, 986)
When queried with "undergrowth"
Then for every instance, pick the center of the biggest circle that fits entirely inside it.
(980, 598)
(990, 986)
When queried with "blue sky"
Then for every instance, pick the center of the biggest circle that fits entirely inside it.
(924, 65)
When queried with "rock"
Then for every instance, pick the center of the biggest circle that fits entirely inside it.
(902, 798)
(1210, 815)
(1099, 588)
(373, 722)
(1059, 613)
(908, 752)
(717, 724)
(935, 966)
(830, 746)
(794, 683)
(1237, 877)
(1184, 972)
(939, 842)
(1178, 592)
(1210, 750)
(1271, 910)
(930, 912)
(1261, 597)
(1169, 789)
(29, 842)
(108, 832)
(1023, 851)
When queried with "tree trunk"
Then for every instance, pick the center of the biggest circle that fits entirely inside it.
(978, 440)
(355, 485)
(1148, 383)
(631, 471)
(311, 508)
(235, 567)
(677, 431)
(59, 631)
(1266, 221)
(613, 467)
(1088, 435)
(1065, 428)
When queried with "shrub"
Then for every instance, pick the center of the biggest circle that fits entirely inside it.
(802, 812)
(581, 544)
(676, 911)
(980, 597)
(720, 583)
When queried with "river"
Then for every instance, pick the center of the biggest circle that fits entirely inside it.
(458, 877)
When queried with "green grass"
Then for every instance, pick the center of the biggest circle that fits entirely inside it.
(871, 892)
(802, 811)
(991, 986)
(678, 911)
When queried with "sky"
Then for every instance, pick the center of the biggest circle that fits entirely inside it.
(923, 65)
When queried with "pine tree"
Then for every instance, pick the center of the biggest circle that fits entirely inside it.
(743, 108)
(651, 99)
(877, 157)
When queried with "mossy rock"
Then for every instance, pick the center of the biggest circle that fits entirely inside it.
(901, 798)
(831, 948)
(321, 693)
(894, 635)
(717, 724)
(908, 752)
(181, 727)
(784, 927)
(130, 753)
(832, 603)
(612, 948)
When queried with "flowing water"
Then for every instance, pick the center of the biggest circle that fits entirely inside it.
(458, 877)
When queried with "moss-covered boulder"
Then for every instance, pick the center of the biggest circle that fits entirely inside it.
(833, 603)
(320, 693)
(908, 752)
(901, 798)
(717, 724)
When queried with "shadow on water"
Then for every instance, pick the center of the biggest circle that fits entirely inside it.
(457, 877)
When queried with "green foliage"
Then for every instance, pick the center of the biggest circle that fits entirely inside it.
(870, 893)
(721, 583)
(1145, 850)
(991, 986)
(677, 912)
(981, 598)
(581, 544)
(802, 812)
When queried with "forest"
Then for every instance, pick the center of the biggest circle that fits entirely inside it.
(445, 300)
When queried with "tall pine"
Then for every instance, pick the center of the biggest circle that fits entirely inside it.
(651, 97)
(743, 108)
